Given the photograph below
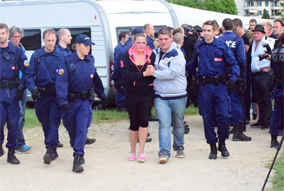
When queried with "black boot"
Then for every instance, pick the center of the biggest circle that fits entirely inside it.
(89, 141)
(11, 157)
(1, 151)
(186, 128)
(213, 151)
(82, 160)
(47, 158)
(238, 133)
(148, 140)
(274, 142)
(54, 155)
(222, 148)
(76, 164)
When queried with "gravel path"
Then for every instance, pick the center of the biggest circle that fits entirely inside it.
(107, 167)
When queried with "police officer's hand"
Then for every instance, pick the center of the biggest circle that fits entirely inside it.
(19, 94)
(35, 94)
(64, 108)
(117, 86)
(231, 86)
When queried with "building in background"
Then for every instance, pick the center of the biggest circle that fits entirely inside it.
(255, 8)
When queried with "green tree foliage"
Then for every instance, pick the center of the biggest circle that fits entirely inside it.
(265, 14)
(221, 6)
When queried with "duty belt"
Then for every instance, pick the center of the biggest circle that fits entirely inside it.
(9, 85)
(215, 80)
(47, 90)
(73, 96)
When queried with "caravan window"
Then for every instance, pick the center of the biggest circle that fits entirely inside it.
(75, 32)
(127, 29)
(31, 39)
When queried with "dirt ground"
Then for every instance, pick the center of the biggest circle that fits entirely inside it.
(107, 167)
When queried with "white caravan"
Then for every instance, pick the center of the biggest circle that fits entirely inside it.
(101, 20)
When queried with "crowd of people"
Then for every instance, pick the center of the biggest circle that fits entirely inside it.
(223, 70)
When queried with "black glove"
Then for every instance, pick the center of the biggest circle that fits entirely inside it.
(241, 86)
(19, 94)
(104, 100)
(35, 94)
(117, 86)
(64, 108)
(231, 86)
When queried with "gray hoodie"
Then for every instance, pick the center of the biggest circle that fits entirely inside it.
(170, 78)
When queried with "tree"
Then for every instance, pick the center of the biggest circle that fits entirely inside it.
(265, 14)
(221, 6)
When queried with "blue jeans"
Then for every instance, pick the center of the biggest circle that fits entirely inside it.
(170, 112)
(22, 104)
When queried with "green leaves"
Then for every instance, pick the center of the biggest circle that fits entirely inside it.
(221, 6)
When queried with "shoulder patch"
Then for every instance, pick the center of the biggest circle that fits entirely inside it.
(121, 64)
(61, 71)
(26, 63)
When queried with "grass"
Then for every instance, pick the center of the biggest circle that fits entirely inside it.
(99, 116)
(278, 178)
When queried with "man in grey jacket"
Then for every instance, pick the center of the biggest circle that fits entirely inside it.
(170, 95)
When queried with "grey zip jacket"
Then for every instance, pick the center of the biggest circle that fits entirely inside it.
(170, 80)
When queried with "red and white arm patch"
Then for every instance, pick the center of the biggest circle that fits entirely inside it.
(121, 64)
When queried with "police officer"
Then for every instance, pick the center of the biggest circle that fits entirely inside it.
(277, 117)
(75, 81)
(117, 77)
(64, 39)
(237, 46)
(211, 57)
(41, 76)
(12, 59)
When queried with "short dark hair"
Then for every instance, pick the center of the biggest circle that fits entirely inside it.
(178, 30)
(49, 31)
(238, 22)
(165, 31)
(228, 24)
(212, 23)
(122, 35)
(4, 26)
(280, 21)
(253, 21)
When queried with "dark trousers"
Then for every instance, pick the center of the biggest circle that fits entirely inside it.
(76, 121)
(214, 106)
(262, 85)
(49, 115)
(277, 116)
(10, 114)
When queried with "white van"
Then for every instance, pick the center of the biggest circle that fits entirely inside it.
(101, 20)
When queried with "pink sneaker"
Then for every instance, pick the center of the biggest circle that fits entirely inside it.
(131, 156)
(141, 157)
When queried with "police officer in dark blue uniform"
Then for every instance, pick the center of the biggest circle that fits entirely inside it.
(277, 116)
(237, 46)
(76, 80)
(117, 76)
(40, 78)
(211, 57)
(12, 59)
